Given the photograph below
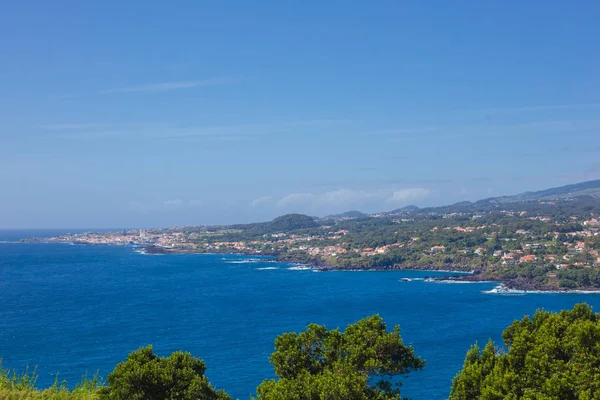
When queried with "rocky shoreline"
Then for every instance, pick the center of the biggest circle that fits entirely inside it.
(409, 267)
(468, 273)
(518, 284)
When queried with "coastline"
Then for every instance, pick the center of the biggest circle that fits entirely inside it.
(467, 273)
(503, 289)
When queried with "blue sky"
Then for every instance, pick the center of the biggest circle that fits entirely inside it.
(142, 114)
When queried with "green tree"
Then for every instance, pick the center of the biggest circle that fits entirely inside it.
(550, 356)
(145, 376)
(363, 362)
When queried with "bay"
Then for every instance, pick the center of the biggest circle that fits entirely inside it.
(72, 309)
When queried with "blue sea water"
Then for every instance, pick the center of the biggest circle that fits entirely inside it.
(72, 309)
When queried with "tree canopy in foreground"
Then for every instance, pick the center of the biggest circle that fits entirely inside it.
(145, 376)
(363, 362)
(550, 356)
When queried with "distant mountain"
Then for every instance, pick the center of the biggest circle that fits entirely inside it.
(407, 209)
(589, 188)
(284, 223)
(348, 214)
(584, 192)
(291, 222)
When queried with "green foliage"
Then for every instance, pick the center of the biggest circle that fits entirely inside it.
(525, 270)
(291, 222)
(340, 383)
(284, 223)
(12, 380)
(363, 362)
(550, 356)
(15, 386)
(579, 277)
(48, 394)
(145, 376)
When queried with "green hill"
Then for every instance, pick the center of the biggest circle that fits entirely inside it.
(284, 223)
(290, 222)
(589, 188)
(347, 214)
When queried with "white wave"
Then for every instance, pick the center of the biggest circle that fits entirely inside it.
(452, 281)
(497, 289)
(503, 290)
(448, 271)
(145, 253)
(266, 268)
(411, 279)
(300, 268)
(249, 260)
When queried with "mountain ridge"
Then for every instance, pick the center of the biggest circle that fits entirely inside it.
(589, 188)
(566, 192)
(581, 190)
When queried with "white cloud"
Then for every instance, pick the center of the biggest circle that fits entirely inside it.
(345, 196)
(168, 86)
(175, 203)
(345, 199)
(411, 194)
(260, 201)
(295, 199)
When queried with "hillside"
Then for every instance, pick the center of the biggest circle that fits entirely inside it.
(407, 209)
(584, 194)
(589, 188)
(284, 223)
(347, 214)
(527, 244)
(290, 222)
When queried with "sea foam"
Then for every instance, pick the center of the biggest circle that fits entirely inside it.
(503, 290)
(300, 268)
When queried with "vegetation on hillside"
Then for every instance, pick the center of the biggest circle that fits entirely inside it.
(284, 223)
(528, 242)
(529, 245)
(591, 188)
(22, 386)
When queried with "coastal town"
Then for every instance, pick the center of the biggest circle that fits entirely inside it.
(176, 239)
(552, 248)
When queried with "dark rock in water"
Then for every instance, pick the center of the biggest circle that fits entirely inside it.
(524, 284)
(156, 250)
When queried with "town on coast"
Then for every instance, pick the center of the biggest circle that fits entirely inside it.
(544, 243)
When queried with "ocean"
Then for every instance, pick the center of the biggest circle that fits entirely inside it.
(72, 309)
